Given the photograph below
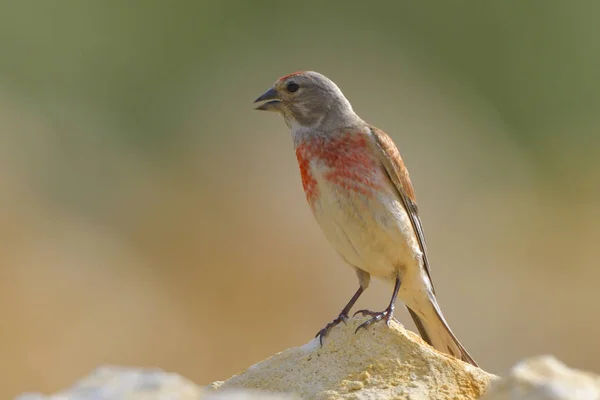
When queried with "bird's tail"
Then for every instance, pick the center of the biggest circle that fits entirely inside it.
(435, 331)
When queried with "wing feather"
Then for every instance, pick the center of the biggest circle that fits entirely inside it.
(398, 174)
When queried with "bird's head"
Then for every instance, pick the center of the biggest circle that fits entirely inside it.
(308, 99)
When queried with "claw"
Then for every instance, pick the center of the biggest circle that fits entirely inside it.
(387, 314)
(323, 332)
(366, 312)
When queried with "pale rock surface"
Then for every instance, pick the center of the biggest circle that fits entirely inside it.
(379, 362)
(125, 383)
(119, 383)
(545, 378)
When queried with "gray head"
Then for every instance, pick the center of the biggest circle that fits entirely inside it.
(308, 99)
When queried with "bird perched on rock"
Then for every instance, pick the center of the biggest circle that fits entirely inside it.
(360, 193)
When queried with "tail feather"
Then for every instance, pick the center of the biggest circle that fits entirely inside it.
(435, 331)
(419, 324)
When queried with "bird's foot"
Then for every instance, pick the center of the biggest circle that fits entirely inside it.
(387, 315)
(323, 332)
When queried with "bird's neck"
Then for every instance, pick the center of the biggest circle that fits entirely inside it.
(325, 128)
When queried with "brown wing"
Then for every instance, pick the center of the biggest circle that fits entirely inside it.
(398, 174)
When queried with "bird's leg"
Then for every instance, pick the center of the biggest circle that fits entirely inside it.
(387, 314)
(342, 317)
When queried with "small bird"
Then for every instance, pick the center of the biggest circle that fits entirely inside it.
(360, 194)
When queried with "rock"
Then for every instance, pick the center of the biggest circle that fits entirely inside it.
(376, 363)
(379, 362)
(545, 378)
(125, 383)
(233, 394)
(118, 383)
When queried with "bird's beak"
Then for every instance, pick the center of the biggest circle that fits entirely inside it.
(271, 101)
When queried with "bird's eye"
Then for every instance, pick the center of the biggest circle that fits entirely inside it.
(292, 87)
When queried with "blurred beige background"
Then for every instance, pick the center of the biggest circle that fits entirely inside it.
(150, 217)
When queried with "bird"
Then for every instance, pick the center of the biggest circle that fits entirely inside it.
(360, 193)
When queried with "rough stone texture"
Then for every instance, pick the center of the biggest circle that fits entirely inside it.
(118, 383)
(233, 394)
(125, 383)
(375, 363)
(545, 378)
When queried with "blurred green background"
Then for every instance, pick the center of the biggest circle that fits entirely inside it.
(150, 217)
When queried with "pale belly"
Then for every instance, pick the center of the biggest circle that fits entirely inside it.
(370, 230)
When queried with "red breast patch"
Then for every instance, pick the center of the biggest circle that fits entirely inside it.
(309, 183)
(346, 158)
